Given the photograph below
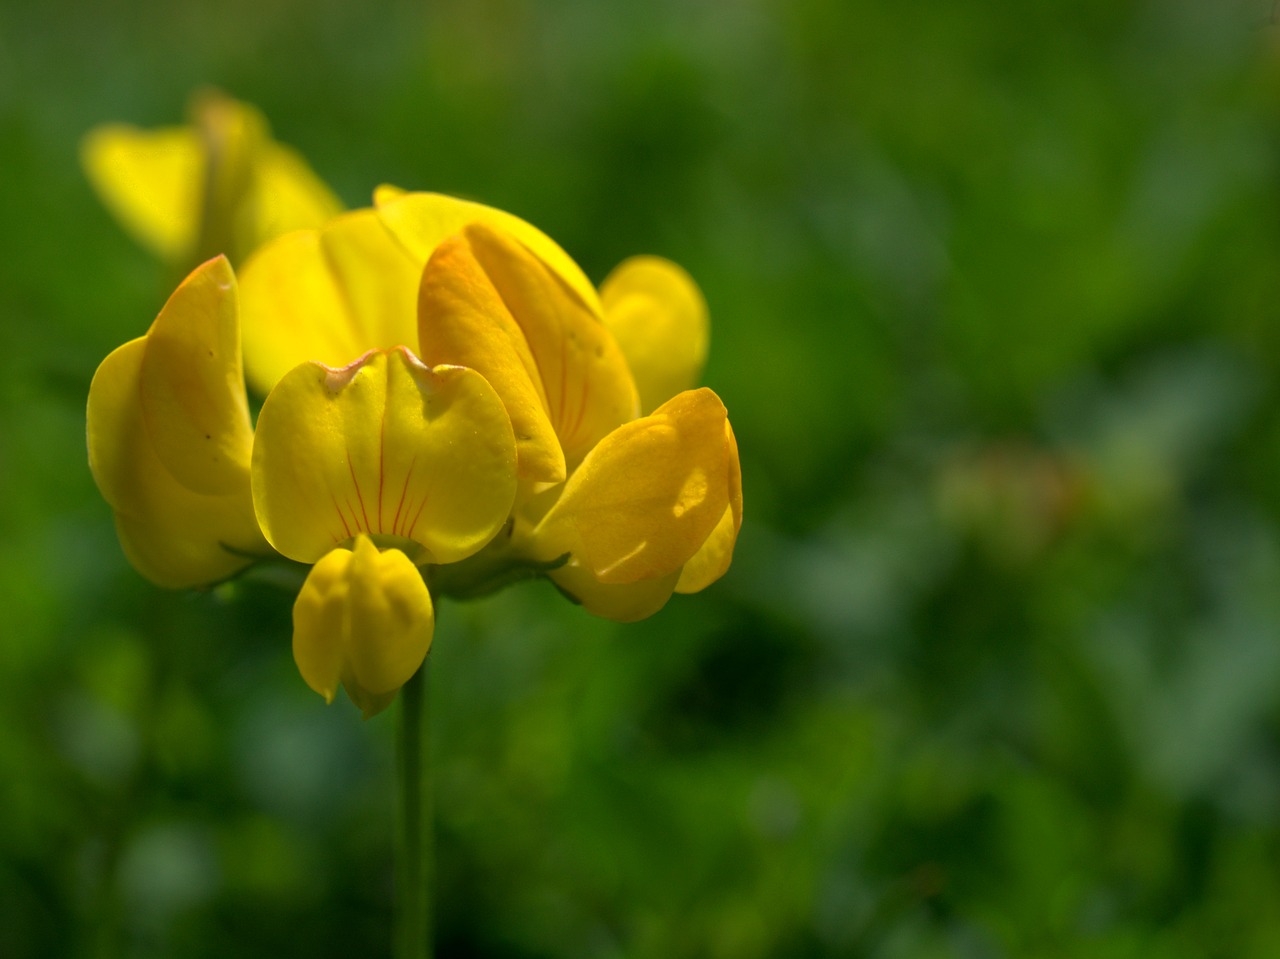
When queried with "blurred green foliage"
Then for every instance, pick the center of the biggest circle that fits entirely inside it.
(996, 672)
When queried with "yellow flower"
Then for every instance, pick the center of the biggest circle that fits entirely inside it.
(363, 471)
(636, 507)
(618, 511)
(170, 439)
(444, 390)
(365, 619)
(385, 451)
(219, 185)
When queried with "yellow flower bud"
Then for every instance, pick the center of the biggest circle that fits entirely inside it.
(363, 619)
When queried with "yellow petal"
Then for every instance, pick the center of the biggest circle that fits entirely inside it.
(232, 136)
(287, 195)
(388, 447)
(658, 316)
(588, 387)
(363, 619)
(327, 295)
(647, 497)
(422, 221)
(621, 602)
(192, 384)
(463, 322)
(714, 556)
(152, 181)
(172, 536)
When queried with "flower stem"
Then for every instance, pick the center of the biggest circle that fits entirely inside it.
(415, 834)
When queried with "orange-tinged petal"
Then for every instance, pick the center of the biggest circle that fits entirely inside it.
(621, 602)
(588, 387)
(714, 556)
(364, 619)
(385, 446)
(648, 496)
(463, 321)
(658, 316)
(192, 384)
(422, 221)
(152, 181)
(173, 536)
(328, 295)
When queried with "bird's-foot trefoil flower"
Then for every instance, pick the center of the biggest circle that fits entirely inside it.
(367, 471)
(221, 184)
(385, 453)
(638, 507)
(618, 509)
(448, 400)
(364, 619)
(448, 404)
(170, 439)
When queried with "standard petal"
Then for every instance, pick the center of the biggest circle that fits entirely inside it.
(422, 221)
(388, 447)
(173, 536)
(328, 295)
(364, 618)
(714, 556)
(658, 316)
(192, 384)
(588, 387)
(151, 180)
(647, 497)
(621, 602)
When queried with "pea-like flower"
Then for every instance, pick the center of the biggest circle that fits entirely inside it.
(618, 509)
(170, 439)
(448, 400)
(366, 471)
(218, 185)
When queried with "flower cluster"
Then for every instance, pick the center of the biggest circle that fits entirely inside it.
(448, 400)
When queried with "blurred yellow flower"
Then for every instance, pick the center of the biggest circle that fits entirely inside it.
(218, 185)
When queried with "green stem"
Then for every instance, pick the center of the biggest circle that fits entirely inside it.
(414, 839)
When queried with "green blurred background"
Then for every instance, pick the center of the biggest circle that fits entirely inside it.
(996, 672)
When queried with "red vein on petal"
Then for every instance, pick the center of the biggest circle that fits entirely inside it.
(382, 463)
(395, 525)
(364, 512)
(341, 516)
(414, 525)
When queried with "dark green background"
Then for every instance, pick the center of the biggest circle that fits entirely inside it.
(996, 672)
